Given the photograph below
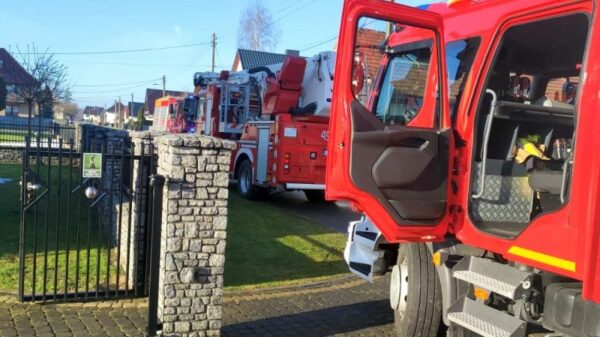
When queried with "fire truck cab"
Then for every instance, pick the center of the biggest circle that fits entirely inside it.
(175, 114)
(474, 162)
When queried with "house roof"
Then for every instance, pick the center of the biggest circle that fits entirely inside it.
(13, 72)
(153, 94)
(253, 59)
(372, 56)
(93, 110)
(118, 107)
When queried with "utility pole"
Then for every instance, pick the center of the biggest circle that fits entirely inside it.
(164, 81)
(214, 49)
(390, 25)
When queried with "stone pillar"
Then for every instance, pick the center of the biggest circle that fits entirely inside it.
(194, 219)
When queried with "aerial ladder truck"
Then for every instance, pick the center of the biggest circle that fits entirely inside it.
(278, 115)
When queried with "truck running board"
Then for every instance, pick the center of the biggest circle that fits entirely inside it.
(485, 321)
(498, 278)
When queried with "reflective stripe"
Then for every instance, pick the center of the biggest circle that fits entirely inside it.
(543, 258)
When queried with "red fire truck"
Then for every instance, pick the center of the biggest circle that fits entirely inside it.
(175, 114)
(278, 115)
(463, 162)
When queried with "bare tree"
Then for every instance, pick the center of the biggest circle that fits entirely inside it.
(50, 74)
(257, 30)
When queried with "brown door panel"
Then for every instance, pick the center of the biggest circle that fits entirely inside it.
(404, 167)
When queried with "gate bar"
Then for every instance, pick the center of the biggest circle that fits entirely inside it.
(157, 183)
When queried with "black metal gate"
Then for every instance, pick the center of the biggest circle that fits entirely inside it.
(85, 238)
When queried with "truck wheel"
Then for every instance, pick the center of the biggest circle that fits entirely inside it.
(245, 184)
(415, 293)
(316, 196)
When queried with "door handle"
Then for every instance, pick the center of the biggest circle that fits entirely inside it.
(33, 187)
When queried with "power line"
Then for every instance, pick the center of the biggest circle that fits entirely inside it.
(319, 44)
(116, 84)
(295, 11)
(113, 90)
(137, 64)
(125, 50)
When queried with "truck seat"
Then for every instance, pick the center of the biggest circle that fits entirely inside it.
(548, 181)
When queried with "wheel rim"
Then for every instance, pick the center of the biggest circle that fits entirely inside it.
(245, 181)
(399, 287)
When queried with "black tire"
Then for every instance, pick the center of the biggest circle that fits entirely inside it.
(418, 304)
(316, 196)
(245, 181)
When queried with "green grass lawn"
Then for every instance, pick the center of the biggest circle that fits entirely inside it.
(269, 246)
(266, 245)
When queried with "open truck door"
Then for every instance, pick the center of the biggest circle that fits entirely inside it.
(389, 148)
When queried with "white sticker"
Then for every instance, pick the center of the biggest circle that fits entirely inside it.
(92, 165)
(290, 132)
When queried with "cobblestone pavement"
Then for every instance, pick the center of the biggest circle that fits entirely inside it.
(344, 307)
(348, 307)
(117, 318)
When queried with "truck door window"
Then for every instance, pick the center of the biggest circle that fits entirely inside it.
(394, 73)
(401, 92)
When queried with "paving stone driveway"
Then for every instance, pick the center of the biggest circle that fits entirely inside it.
(344, 307)
(347, 307)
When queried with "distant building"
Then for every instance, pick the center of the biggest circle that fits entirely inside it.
(247, 59)
(16, 78)
(115, 116)
(93, 114)
(153, 94)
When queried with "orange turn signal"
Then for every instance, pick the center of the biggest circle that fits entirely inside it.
(481, 294)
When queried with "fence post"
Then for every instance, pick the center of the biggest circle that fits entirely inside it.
(157, 183)
(193, 234)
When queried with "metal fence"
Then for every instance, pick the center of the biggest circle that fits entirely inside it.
(14, 133)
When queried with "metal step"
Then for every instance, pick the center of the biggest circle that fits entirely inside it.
(485, 321)
(496, 277)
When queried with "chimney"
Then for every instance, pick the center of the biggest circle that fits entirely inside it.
(292, 52)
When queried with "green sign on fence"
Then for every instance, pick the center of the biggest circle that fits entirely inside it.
(92, 165)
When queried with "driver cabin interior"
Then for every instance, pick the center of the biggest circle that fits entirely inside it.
(525, 125)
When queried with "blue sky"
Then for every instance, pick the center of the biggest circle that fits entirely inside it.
(89, 26)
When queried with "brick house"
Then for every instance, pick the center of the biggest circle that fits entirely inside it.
(16, 78)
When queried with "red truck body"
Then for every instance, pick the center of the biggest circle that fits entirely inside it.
(563, 241)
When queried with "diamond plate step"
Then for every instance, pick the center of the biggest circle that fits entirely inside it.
(498, 278)
(485, 321)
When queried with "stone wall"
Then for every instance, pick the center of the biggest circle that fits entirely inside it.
(11, 156)
(132, 236)
(194, 220)
(114, 144)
